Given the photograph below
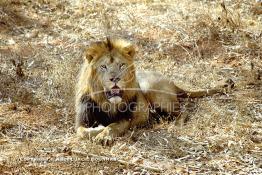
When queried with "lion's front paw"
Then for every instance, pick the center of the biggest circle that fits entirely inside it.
(105, 137)
(89, 133)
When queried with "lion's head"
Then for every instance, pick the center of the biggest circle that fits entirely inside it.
(111, 71)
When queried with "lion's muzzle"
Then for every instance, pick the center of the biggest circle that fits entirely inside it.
(114, 95)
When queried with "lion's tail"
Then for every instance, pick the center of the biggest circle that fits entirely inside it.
(229, 84)
(220, 89)
(198, 94)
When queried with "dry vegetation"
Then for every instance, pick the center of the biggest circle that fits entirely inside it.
(195, 43)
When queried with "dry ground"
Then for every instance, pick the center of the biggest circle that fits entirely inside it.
(195, 43)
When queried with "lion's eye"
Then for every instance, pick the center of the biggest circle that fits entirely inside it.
(122, 66)
(103, 67)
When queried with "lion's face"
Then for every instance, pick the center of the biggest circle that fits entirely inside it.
(113, 67)
(115, 75)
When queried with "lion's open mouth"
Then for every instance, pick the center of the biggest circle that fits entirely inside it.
(114, 92)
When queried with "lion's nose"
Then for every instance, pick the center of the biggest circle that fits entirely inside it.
(115, 80)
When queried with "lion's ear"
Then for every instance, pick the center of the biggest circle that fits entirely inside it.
(90, 54)
(94, 51)
(129, 51)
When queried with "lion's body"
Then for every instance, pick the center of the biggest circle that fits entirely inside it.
(120, 98)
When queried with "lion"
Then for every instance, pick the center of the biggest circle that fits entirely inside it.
(112, 96)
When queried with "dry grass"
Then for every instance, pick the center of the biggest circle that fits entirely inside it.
(195, 43)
